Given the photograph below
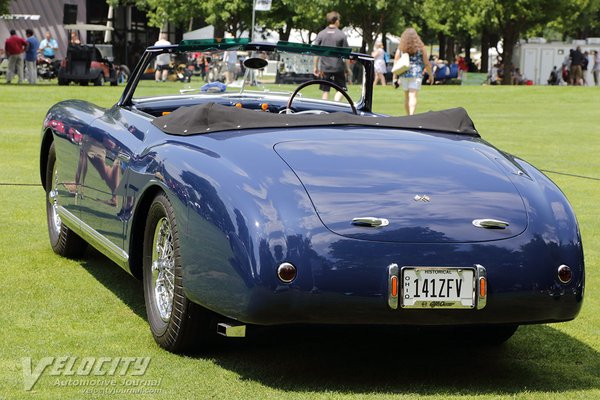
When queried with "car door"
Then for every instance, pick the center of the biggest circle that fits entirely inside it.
(111, 144)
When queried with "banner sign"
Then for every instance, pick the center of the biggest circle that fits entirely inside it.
(262, 5)
(20, 16)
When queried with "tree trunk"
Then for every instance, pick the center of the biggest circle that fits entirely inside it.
(284, 32)
(442, 45)
(468, 44)
(509, 38)
(219, 30)
(485, 51)
(450, 50)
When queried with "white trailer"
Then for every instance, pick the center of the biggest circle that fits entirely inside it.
(536, 57)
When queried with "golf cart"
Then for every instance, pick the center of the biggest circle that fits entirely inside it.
(93, 63)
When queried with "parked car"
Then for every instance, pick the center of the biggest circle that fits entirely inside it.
(242, 208)
(87, 64)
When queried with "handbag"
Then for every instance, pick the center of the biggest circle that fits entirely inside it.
(401, 65)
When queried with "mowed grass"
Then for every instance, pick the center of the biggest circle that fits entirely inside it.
(51, 306)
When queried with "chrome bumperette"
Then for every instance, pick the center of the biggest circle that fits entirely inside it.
(481, 273)
(93, 237)
(393, 274)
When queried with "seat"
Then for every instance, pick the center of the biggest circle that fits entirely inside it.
(80, 59)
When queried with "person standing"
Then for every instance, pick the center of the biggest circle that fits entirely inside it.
(48, 47)
(75, 38)
(411, 43)
(230, 60)
(380, 66)
(576, 72)
(596, 68)
(331, 68)
(14, 47)
(31, 57)
(584, 67)
(162, 60)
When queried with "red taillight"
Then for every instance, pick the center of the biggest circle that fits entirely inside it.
(286, 272)
(565, 274)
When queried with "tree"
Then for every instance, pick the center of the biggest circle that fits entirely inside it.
(454, 21)
(580, 20)
(514, 18)
(375, 17)
(4, 6)
(225, 15)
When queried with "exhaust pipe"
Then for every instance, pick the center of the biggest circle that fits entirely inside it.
(227, 330)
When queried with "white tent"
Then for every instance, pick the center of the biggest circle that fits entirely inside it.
(208, 32)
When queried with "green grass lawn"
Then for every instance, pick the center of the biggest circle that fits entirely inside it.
(51, 306)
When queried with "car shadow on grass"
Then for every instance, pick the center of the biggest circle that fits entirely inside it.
(380, 360)
(392, 360)
(127, 288)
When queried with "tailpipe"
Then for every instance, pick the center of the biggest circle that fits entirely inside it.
(228, 330)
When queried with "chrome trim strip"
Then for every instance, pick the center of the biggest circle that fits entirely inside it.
(93, 237)
(481, 273)
(393, 272)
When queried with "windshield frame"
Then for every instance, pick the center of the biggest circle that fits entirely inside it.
(364, 104)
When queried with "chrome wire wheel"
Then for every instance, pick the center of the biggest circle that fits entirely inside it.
(163, 269)
(62, 239)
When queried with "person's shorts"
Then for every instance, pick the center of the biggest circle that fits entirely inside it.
(411, 83)
(162, 67)
(338, 78)
(230, 67)
(576, 72)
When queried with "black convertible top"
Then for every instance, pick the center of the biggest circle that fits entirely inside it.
(213, 117)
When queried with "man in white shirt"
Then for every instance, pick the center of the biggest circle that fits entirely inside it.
(162, 60)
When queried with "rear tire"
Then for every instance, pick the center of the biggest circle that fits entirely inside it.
(64, 241)
(177, 324)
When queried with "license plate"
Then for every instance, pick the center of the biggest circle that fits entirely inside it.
(438, 287)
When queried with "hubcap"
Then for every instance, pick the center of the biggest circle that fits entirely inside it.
(163, 269)
(55, 221)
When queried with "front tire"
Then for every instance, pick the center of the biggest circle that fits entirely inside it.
(177, 324)
(64, 241)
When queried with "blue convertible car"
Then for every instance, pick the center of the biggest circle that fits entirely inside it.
(254, 203)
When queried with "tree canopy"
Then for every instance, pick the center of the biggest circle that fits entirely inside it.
(454, 25)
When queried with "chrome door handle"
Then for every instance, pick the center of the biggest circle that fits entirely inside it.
(489, 223)
(370, 221)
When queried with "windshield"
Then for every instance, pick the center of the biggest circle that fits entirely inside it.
(233, 72)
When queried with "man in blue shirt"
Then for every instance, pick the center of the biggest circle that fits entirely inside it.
(31, 57)
(48, 46)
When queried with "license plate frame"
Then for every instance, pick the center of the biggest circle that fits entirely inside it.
(443, 291)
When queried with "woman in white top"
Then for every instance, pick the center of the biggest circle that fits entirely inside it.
(380, 68)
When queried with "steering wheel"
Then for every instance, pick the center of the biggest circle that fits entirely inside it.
(322, 82)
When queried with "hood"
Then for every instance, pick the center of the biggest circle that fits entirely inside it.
(427, 191)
